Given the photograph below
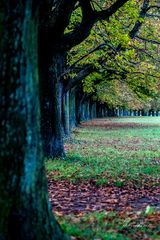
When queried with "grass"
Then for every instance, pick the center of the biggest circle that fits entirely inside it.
(116, 155)
(113, 152)
(110, 225)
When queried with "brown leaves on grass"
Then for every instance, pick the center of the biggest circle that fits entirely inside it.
(78, 203)
(68, 198)
(74, 201)
(109, 124)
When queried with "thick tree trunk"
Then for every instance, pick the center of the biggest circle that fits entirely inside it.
(51, 106)
(56, 141)
(24, 209)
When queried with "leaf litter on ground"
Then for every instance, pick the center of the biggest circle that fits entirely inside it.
(83, 195)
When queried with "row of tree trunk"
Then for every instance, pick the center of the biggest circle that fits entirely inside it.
(74, 107)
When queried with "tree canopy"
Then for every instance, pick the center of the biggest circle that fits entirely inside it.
(123, 53)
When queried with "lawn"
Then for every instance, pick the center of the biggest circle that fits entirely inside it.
(107, 187)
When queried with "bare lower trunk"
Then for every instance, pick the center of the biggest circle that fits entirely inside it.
(51, 105)
(72, 108)
(65, 114)
(56, 144)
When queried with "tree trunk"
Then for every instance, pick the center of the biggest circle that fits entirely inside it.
(78, 106)
(87, 109)
(51, 106)
(24, 209)
(72, 108)
(65, 113)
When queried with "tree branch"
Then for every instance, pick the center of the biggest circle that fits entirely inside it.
(89, 17)
(72, 82)
(139, 23)
(148, 40)
(152, 15)
(153, 6)
(146, 53)
(99, 47)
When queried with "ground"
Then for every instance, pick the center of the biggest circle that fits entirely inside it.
(108, 185)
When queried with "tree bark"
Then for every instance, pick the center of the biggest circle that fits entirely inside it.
(25, 212)
(65, 114)
(51, 106)
(72, 108)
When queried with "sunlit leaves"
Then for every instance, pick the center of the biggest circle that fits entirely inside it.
(123, 65)
(75, 19)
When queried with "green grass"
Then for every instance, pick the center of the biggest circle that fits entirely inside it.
(111, 225)
(116, 155)
(141, 120)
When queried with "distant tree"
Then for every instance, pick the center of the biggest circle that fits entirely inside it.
(25, 212)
